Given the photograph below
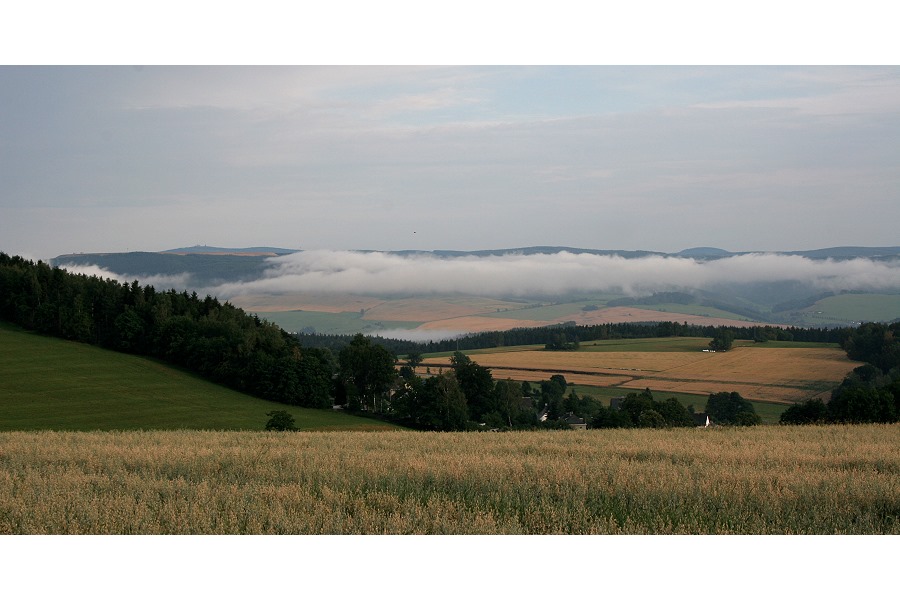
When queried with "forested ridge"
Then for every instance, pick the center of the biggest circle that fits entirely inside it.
(214, 339)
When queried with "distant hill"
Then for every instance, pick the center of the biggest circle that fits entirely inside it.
(704, 252)
(789, 302)
(844, 252)
(202, 270)
(255, 251)
(840, 252)
(546, 250)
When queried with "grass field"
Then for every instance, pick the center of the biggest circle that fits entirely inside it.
(548, 312)
(334, 323)
(757, 480)
(856, 308)
(47, 383)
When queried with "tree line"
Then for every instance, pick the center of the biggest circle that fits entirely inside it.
(467, 397)
(567, 335)
(871, 393)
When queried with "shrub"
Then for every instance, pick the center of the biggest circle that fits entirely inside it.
(281, 420)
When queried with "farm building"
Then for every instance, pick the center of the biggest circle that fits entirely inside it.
(575, 422)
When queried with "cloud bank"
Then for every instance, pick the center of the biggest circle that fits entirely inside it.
(181, 281)
(549, 274)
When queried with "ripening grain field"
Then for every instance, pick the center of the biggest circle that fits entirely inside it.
(764, 373)
(758, 480)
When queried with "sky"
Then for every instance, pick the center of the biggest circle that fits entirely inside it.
(746, 158)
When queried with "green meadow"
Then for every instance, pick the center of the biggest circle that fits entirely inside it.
(343, 323)
(856, 308)
(47, 383)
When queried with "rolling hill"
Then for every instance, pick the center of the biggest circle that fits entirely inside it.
(48, 383)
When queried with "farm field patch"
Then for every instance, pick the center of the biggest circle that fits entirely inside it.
(857, 308)
(332, 323)
(436, 309)
(695, 309)
(551, 313)
(769, 374)
(464, 314)
(758, 480)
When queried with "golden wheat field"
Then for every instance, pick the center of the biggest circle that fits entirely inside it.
(768, 374)
(762, 480)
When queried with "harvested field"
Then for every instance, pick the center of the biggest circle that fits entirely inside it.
(766, 374)
(617, 363)
(776, 366)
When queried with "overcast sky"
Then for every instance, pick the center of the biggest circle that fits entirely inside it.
(109, 159)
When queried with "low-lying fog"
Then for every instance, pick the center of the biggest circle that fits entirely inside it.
(381, 273)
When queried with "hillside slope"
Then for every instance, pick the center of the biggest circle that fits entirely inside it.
(47, 383)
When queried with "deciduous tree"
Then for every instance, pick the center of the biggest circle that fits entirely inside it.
(368, 371)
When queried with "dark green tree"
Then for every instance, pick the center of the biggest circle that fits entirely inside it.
(413, 360)
(634, 404)
(607, 418)
(561, 380)
(727, 408)
(510, 403)
(406, 403)
(875, 343)
(552, 394)
(674, 414)
(651, 418)
(476, 383)
(722, 341)
(746, 419)
(811, 411)
(862, 404)
(367, 370)
(280, 420)
(443, 404)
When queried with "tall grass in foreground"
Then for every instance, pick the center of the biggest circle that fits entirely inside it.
(761, 480)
